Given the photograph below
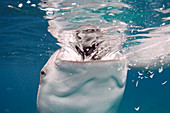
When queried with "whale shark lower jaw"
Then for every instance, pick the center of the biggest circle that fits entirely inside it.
(81, 87)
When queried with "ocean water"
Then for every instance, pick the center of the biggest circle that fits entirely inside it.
(26, 45)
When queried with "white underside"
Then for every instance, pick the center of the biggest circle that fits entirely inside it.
(76, 87)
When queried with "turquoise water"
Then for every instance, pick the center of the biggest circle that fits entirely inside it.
(26, 45)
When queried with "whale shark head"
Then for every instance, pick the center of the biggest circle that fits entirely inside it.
(89, 43)
(86, 75)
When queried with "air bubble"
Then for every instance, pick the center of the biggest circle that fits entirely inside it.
(137, 108)
(73, 3)
(140, 73)
(28, 2)
(10, 6)
(20, 5)
(49, 13)
(151, 76)
(160, 70)
(163, 24)
(164, 83)
(120, 68)
(137, 83)
(87, 49)
(145, 76)
(130, 21)
(33, 5)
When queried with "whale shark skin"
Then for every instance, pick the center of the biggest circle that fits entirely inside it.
(81, 87)
(72, 81)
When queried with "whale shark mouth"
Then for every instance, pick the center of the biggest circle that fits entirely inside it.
(85, 35)
(89, 43)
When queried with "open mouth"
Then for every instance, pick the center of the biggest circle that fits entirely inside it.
(91, 43)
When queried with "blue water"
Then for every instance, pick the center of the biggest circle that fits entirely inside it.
(26, 45)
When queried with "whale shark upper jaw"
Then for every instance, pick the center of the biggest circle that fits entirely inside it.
(90, 43)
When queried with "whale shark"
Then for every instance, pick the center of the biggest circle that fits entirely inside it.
(88, 73)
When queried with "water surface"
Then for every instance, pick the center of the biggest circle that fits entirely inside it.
(26, 45)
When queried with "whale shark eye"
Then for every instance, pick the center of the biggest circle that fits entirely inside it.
(43, 73)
